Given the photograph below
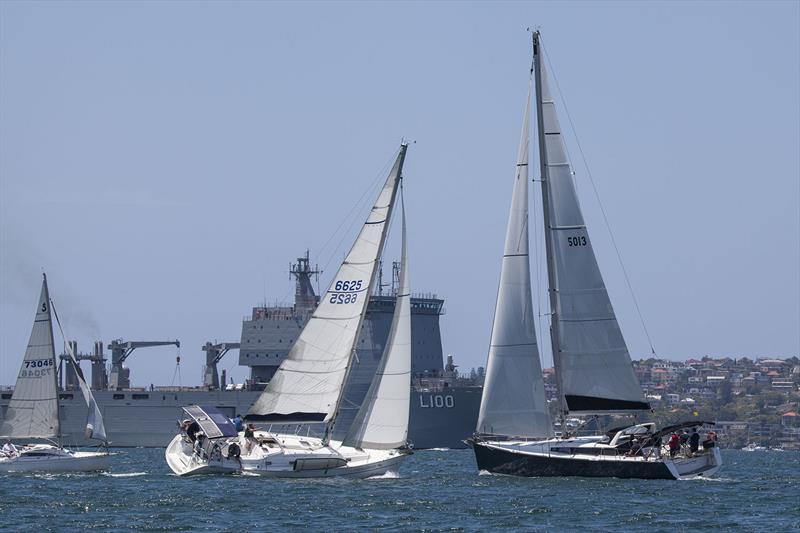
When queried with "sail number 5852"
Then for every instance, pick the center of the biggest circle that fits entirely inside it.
(576, 241)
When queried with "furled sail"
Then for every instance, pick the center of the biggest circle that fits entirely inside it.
(514, 401)
(307, 385)
(382, 420)
(33, 409)
(592, 359)
(95, 428)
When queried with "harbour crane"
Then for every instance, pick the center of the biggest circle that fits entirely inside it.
(214, 353)
(120, 350)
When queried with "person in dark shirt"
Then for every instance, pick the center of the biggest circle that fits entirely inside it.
(249, 437)
(694, 441)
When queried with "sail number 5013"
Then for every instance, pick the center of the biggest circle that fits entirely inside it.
(576, 241)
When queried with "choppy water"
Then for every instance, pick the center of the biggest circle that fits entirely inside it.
(435, 491)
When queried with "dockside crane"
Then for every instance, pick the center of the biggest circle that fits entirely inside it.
(214, 353)
(120, 350)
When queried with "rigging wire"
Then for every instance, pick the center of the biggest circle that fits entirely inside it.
(599, 202)
(352, 217)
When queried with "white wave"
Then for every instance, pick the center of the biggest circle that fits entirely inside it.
(435, 450)
(391, 474)
(125, 474)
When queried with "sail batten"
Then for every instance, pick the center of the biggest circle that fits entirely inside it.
(593, 366)
(308, 383)
(513, 401)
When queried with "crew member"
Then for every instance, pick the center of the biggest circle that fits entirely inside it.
(674, 444)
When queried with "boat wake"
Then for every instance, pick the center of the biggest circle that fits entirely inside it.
(391, 474)
(436, 449)
(714, 479)
(125, 474)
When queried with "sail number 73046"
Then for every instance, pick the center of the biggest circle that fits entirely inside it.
(346, 292)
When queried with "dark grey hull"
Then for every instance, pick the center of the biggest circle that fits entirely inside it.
(149, 418)
(499, 461)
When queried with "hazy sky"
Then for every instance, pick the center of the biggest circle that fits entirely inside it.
(164, 162)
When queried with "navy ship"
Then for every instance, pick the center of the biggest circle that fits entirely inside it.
(444, 406)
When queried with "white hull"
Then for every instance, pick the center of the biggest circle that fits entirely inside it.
(281, 456)
(48, 458)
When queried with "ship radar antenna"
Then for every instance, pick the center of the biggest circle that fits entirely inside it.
(302, 271)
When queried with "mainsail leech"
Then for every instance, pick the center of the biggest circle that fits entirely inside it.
(593, 366)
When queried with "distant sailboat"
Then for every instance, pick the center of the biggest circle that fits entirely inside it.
(307, 387)
(33, 412)
(593, 369)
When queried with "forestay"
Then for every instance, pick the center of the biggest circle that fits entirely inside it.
(307, 384)
(593, 363)
(33, 409)
(513, 401)
(382, 421)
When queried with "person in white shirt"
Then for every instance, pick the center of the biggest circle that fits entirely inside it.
(9, 450)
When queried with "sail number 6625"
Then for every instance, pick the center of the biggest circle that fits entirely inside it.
(345, 286)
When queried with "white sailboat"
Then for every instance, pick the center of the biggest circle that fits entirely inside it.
(307, 387)
(33, 412)
(593, 369)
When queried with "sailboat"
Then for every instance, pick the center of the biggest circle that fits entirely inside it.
(515, 433)
(33, 412)
(307, 388)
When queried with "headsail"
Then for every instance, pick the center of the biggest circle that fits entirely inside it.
(33, 409)
(382, 420)
(514, 401)
(95, 429)
(592, 359)
(308, 383)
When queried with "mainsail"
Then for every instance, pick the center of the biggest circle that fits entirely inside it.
(513, 401)
(33, 409)
(307, 385)
(382, 420)
(592, 361)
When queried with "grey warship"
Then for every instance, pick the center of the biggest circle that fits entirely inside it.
(444, 406)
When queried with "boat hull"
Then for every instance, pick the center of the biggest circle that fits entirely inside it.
(316, 461)
(58, 461)
(501, 460)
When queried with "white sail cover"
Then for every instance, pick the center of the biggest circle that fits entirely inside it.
(95, 429)
(382, 421)
(307, 385)
(33, 409)
(594, 366)
(514, 401)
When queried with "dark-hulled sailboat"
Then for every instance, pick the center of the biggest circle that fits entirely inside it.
(515, 433)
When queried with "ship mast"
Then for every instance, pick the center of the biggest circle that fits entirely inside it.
(549, 246)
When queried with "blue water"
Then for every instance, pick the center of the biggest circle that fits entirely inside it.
(435, 491)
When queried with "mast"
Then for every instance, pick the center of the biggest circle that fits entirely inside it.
(549, 251)
(53, 345)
